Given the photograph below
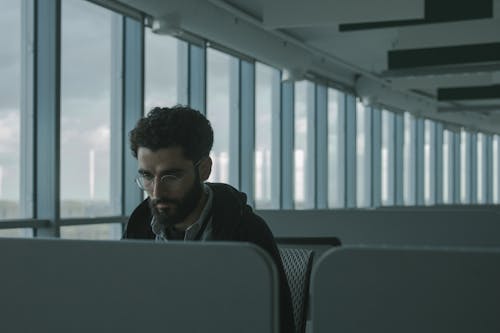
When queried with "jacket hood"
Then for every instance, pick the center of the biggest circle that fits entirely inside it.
(228, 194)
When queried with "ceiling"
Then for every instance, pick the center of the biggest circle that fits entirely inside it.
(437, 58)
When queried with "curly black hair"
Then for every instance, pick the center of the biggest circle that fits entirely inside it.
(178, 126)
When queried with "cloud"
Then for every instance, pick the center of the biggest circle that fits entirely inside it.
(9, 153)
(99, 138)
(86, 50)
(10, 54)
(9, 131)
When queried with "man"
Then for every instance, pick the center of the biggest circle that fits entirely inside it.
(172, 146)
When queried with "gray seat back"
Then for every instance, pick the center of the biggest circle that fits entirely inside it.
(298, 264)
(411, 290)
(130, 286)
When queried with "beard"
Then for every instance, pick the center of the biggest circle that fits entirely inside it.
(178, 209)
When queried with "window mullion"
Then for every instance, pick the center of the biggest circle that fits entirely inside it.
(321, 147)
(133, 106)
(247, 128)
(47, 116)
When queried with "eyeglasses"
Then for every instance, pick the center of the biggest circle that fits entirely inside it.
(146, 182)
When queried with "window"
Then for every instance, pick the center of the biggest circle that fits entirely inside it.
(267, 103)
(16, 233)
(15, 131)
(409, 163)
(363, 155)
(304, 145)
(165, 71)
(223, 111)
(89, 177)
(495, 156)
(429, 162)
(481, 168)
(465, 167)
(93, 231)
(448, 166)
(388, 158)
(336, 149)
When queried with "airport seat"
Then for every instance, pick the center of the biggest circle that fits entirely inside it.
(297, 264)
(111, 286)
(406, 289)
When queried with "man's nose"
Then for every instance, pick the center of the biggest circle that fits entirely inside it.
(158, 189)
(155, 191)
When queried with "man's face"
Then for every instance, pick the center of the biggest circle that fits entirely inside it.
(174, 198)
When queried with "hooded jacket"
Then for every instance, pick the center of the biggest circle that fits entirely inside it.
(232, 220)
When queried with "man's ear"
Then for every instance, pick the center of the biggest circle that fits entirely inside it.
(205, 169)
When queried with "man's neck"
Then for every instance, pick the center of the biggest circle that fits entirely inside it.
(194, 215)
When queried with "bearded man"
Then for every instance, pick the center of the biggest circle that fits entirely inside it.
(172, 147)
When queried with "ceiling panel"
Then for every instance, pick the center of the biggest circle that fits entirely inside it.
(455, 45)
(435, 11)
(304, 13)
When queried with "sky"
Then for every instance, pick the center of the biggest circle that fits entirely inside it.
(86, 83)
(10, 71)
(86, 104)
(85, 99)
(86, 79)
(86, 56)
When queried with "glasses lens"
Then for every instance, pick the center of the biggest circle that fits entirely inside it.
(143, 183)
(170, 181)
(146, 184)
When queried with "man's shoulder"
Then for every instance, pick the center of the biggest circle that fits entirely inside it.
(255, 226)
(227, 201)
(225, 190)
(232, 213)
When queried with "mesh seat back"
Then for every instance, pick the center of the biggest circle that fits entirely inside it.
(297, 264)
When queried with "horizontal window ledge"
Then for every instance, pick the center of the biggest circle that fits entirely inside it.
(93, 220)
(23, 223)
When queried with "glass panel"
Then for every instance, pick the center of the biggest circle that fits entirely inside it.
(10, 109)
(429, 162)
(303, 155)
(111, 231)
(336, 150)
(409, 163)
(363, 155)
(16, 233)
(222, 111)
(387, 158)
(481, 168)
(465, 167)
(86, 56)
(267, 94)
(448, 168)
(165, 71)
(496, 169)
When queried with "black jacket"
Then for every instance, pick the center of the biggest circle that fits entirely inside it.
(232, 220)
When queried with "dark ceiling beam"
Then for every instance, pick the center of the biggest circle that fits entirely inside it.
(436, 11)
(469, 93)
(441, 70)
(442, 56)
(476, 108)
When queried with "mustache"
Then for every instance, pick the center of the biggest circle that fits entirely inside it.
(157, 201)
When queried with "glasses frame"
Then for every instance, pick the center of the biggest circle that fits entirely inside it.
(170, 181)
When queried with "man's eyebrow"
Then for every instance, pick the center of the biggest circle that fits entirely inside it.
(172, 171)
(163, 172)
